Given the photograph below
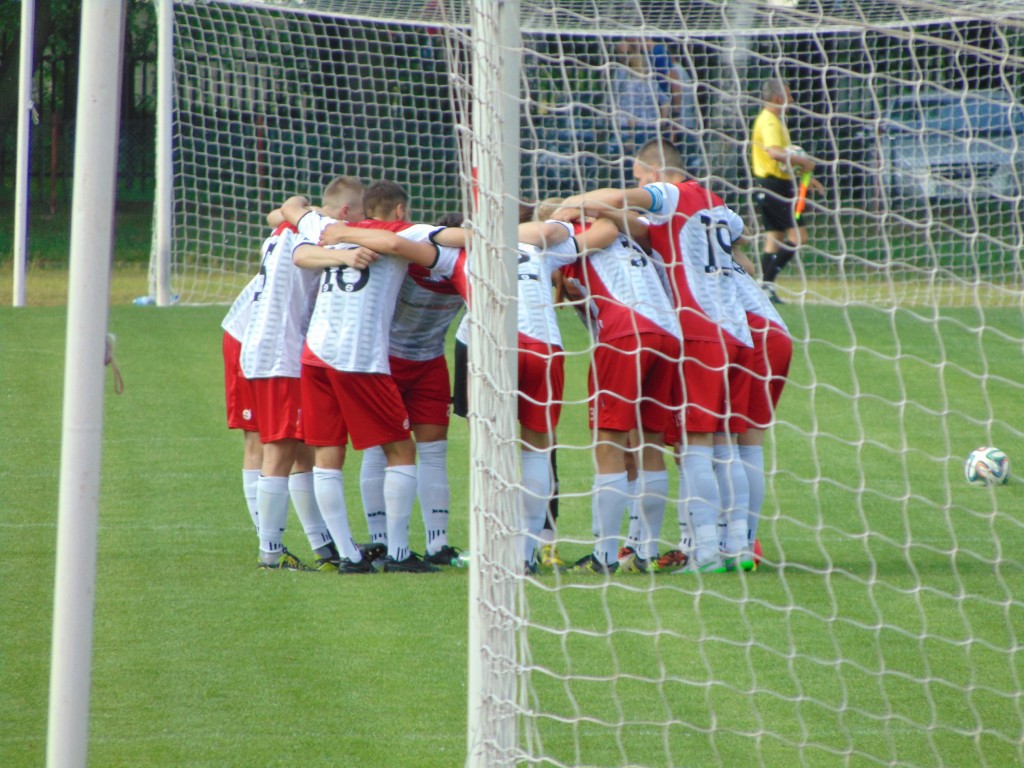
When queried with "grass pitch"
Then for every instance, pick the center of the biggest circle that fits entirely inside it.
(884, 629)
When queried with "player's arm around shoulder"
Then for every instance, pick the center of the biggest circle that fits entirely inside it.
(602, 202)
(292, 210)
(382, 241)
(308, 255)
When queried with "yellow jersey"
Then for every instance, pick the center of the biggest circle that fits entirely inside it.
(769, 131)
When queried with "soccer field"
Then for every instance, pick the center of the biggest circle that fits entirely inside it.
(884, 628)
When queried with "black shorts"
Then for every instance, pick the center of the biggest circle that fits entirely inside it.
(460, 388)
(774, 198)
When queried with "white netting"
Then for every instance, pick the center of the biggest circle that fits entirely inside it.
(886, 626)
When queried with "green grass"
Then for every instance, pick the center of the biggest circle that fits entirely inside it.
(884, 629)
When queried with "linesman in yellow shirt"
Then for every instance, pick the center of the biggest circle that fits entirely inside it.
(777, 164)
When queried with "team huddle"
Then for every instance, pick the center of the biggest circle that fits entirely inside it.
(340, 336)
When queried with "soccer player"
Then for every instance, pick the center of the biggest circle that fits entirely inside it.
(241, 405)
(774, 161)
(347, 385)
(270, 360)
(426, 307)
(637, 337)
(693, 231)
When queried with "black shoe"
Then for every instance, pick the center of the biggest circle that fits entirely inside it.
(373, 552)
(770, 292)
(444, 556)
(346, 566)
(412, 564)
(591, 564)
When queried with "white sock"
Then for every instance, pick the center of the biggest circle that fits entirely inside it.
(371, 488)
(534, 498)
(752, 457)
(651, 514)
(634, 535)
(329, 485)
(300, 488)
(699, 501)
(249, 479)
(609, 502)
(272, 503)
(399, 496)
(433, 492)
(735, 497)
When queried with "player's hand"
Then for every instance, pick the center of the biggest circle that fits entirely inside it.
(568, 213)
(333, 233)
(358, 258)
(817, 187)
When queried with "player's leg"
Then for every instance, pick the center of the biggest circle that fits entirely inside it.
(272, 502)
(371, 491)
(376, 416)
(278, 402)
(252, 464)
(324, 428)
(240, 403)
(426, 393)
(301, 488)
(705, 375)
(549, 556)
(658, 389)
(541, 383)
(434, 491)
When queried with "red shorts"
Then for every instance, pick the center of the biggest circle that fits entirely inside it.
(767, 369)
(238, 394)
(425, 387)
(708, 393)
(541, 384)
(633, 377)
(279, 405)
(365, 406)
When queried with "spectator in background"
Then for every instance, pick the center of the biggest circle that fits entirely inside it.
(636, 100)
(678, 98)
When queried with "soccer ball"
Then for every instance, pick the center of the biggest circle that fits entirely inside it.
(987, 466)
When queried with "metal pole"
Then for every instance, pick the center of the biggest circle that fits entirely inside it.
(26, 109)
(163, 203)
(492, 738)
(92, 246)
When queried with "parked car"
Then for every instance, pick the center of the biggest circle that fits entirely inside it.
(944, 146)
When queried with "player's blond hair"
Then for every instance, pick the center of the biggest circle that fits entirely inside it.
(342, 191)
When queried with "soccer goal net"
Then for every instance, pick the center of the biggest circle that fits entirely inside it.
(884, 624)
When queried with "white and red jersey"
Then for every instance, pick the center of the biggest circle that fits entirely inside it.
(756, 302)
(536, 317)
(625, 294)
(537, 321)
(237, 318)
(693, 231)
(350, 329)
(281, 306)
(426, 307)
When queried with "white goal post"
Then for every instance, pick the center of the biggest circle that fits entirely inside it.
(884, 626)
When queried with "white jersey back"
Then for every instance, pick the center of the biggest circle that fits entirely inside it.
(422, 316)
(536, 313)
(350, 329)
(281, 306)
(237, 318)
(755, 301)
(629, 279)
(693, 231)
